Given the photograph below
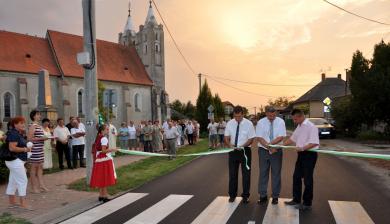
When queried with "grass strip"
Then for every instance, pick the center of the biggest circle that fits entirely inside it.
(143, 171)
(8, 218)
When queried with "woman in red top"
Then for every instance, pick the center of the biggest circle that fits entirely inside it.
(103, 172)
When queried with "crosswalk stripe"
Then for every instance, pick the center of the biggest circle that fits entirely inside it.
(281, 213)
(103, 210)
(218, 212)
(159, 211)
(349, 212)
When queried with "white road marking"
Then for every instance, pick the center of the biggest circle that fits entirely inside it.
(251, 222)
(281, 213)
(105, 209)
(218, 212)
(349, 212)
(159, 211)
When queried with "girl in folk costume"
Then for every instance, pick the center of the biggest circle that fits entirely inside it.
(103, 172)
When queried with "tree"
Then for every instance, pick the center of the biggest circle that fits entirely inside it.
(282, 101)
(190, 110)
(205, 99)
(219, 111)
(101, 89)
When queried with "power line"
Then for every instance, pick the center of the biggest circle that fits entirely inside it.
(352, 13)
(174, 41)
(257, 83)
(241, 90)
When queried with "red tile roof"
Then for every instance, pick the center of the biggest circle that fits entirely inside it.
(25, 54)
(114, 62)
(112, 59)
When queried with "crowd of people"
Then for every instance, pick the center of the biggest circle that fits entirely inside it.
(33, 143)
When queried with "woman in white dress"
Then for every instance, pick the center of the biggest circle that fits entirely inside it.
(48, 145)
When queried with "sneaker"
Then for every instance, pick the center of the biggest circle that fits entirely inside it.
(106, 200)
(232, 199)
(262, 200)
(275, 201)
(245, 200)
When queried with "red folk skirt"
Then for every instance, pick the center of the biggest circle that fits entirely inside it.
(103, 172)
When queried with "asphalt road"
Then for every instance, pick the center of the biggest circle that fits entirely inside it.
(207, 177)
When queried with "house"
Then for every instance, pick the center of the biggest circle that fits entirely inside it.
(312, 101)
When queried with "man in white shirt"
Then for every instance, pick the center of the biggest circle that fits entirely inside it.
(213, 133)
(190, 133)
(239, 134)
(62, 134)
(132, 136)
(270, 130)
(305, 137)
(221, 131)
(78, 143)
(171, 135)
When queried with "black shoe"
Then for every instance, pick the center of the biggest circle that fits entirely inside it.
(106, 200)
(101, 198)
(232, 199)
(275, 201)
(245, 200)
(83, 166)
(304, 208)
(262, 200)
(291, 203)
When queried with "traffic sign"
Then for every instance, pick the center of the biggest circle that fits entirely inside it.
(210, 108)
(327, 101)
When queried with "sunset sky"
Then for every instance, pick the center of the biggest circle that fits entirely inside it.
(277, 42)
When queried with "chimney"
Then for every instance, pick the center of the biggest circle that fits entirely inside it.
(323, 76)
(339, 76)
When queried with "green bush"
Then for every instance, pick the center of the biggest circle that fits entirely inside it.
(370, 135)
(3, 172)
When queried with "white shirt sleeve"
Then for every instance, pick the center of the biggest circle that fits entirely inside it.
(104, 141)
(251, 132)
(259, 129)
(227, 129)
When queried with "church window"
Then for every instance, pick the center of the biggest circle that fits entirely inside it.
(146, 49)
(80, 94)
(8, 106)
(157, 48)
(156, 36)
(137, 102)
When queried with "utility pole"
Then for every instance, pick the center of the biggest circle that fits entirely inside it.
(200, 82)
(90, 80)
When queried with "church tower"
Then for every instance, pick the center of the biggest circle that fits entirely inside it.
(149, 43)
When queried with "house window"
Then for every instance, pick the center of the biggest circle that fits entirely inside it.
(80, 94)
(137, 102)
(8, 106)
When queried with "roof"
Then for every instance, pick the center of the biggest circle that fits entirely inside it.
(115, 62)
(329, 87)
(150, 18)
(25, 54)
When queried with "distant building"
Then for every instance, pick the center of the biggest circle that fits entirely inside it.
(135, 73)
(228, 108)
(312, 100)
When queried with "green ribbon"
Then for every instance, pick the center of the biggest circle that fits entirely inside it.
(338, 153)
(220, 151)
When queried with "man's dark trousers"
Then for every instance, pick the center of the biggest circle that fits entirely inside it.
(236, 158)
(304, 168)
(78, 151)
(61, 150)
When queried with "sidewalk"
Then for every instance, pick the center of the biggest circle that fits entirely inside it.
(59, 201)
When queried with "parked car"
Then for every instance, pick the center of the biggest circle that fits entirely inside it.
(325, 129)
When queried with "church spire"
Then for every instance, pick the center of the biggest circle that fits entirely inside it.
(150, 18)
(129, 23)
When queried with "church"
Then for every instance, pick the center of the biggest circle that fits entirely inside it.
(132, 69)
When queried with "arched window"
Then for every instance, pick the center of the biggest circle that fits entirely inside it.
(137, 102)
(156, 36)
(157, 48)
(8, 104)
(80, 105)
(145, 49)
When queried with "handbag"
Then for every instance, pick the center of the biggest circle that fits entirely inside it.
(5, 153)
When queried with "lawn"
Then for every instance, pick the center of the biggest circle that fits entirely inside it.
(8, 218)
(143, 171)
